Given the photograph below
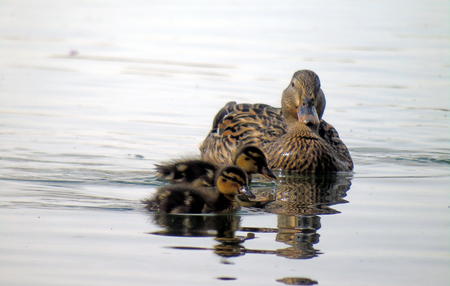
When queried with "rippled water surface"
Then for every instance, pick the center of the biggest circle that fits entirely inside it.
(93, 93)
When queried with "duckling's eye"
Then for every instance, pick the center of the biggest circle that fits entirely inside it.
(224, 180)
(292, 84)
(247, 159)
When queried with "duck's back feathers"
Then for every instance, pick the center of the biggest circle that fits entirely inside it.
(187, 171)
(179, 198)
(267, 113)
(264, 126)
(236, 125)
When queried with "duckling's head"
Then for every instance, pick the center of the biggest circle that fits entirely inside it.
(303, 100)
(252, 160)
(232, 181)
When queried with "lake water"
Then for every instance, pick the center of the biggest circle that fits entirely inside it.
(93, 93)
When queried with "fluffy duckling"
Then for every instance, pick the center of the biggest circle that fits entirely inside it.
(197, 172)
(293, 137)
(200, 173)
(184, 198)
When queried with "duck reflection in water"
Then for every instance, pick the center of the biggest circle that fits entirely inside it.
(298, 201)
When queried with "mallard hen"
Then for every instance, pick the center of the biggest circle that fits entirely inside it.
(293, 137)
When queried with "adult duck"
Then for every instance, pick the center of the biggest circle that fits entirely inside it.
(294, 137)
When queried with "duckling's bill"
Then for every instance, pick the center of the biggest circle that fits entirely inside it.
(267, 172)
(247, 192)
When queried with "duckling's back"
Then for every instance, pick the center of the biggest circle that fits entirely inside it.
(187, 171)
(176, 199)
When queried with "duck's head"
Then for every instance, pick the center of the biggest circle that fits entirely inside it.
(303, 100)
(232, 181)
(252, 160)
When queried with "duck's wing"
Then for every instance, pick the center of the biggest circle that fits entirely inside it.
(331, 136)
(236, 125)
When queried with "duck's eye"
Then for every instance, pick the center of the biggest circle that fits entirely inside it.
(292, 84)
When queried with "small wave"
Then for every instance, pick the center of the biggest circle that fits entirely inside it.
(77, 56)
(408, 156)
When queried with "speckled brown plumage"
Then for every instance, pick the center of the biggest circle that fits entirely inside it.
(291, 138)
(241, 124)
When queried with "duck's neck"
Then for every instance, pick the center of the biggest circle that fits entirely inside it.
(301, 129)
(290, 118)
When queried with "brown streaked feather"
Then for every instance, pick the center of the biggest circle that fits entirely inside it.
(303, 151)
(263, 126)
(239, 125)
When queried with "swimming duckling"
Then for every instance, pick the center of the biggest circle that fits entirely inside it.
(200, 173)
(197, 172)
(293, 137)
(184, 198)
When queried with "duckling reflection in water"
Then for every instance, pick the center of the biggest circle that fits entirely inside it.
(220, 226)
(182, 198)
(249, 158)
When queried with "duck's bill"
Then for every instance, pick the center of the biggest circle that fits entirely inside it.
(247, 192)
(266, 172)
(307, 114)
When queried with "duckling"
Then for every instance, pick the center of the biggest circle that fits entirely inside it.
(185, 198)
(253, 161)
(196, 172)
(294, 137)
(200, 173)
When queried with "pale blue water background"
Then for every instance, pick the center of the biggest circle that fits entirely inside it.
(93, 93)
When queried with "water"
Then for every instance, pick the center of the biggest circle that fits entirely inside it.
(93, 93)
